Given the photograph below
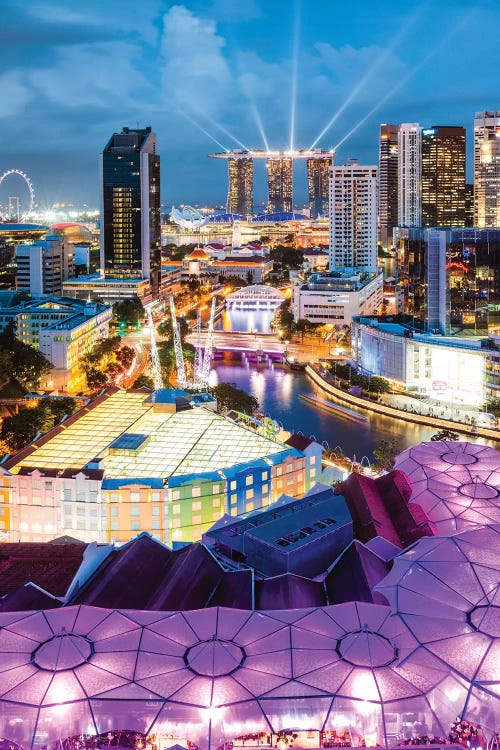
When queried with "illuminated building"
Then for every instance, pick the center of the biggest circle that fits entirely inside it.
(44, 266)
(487, 169)
(130, 207)
(353, 217)
(240, 186)
(336, 298)
(469, 204)
(443, 176)
(131, 461)
(387, 183)
(280, 184)
(451, 278)
(409, 169)
(318, 176)
(63, 329)
(451, 368)
(108, 290)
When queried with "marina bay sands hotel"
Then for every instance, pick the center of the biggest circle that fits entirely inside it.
(240, 165)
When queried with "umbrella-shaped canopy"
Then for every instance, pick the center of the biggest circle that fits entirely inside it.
(215, 674)
(457, 484)
(446, 592)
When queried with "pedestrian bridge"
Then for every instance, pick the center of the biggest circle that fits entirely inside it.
(255, 297)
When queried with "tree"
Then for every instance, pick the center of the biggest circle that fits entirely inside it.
(445, 434)
(229, 396)
(379, 385)
(96, 379)
(386, 452)
(61, 406)
(28, 365)
(129, 311)
(143, 381)
(493, 407)
(125, 356)
(19, 430)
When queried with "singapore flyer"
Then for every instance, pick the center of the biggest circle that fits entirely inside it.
(7, 175)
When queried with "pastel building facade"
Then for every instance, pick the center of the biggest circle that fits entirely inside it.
(125, 464)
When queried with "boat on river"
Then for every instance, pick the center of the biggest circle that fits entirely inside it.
(333, 408)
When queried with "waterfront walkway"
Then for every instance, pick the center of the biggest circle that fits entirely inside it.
(400, 410)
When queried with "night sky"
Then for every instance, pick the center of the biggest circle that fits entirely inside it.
(71, 73)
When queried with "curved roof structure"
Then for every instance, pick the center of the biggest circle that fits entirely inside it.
(456, 483)
(188, 217)
(226, 218)
(18, 231)
(198, 254)
(279, 217)
(209, 676)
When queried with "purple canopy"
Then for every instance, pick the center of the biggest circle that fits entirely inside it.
(456, 483)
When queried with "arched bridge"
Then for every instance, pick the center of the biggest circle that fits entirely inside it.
(255, 297)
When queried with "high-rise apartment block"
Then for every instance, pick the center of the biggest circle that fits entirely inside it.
(240, 185)
(353, 217)
(318, 180)
(130, 207)
(443, 177)
(43, 266)
(388, 183)
(409, 171)
(280, 184)
(487, 169)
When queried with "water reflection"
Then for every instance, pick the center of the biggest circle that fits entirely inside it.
(246, 321)
(278, 390)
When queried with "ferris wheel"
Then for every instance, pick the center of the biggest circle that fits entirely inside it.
(28, 182)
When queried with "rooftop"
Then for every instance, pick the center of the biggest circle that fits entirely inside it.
(179, 443)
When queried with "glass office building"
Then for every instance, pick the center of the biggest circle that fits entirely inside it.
(130, 207)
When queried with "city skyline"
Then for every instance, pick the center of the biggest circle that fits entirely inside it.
(203, 74)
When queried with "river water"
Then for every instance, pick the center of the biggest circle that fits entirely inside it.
(278, 391)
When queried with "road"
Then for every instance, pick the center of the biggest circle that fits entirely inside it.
(308, 351)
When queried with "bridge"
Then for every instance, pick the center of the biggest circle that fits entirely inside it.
(255, 297)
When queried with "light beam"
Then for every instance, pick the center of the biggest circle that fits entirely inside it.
(222, 129)
(406, 78)
(205, 132)
(295, 73)
(369, 73)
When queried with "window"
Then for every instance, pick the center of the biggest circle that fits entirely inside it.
(196, 492)
(135, 497)
(80, 510)
(176, 523)
(233, 484)
(196, 520)
(216, 489)
(114, 511)
(67, 494)
(313, 472)
(155, 523)
(249, 507)
(312, 460)
(156, 497)
(264, 475)
(68, 510)
(249, 480)
(279, 471)
(48, 486)
(233, 499)
(155, 510)
(289, 468)
(216, 502)
(135, 525)
(176, 509)
(114, 525)
(135, 511)
(176, 495)
(196, 506)
(265, 488)
(113, 498)
(249, 494)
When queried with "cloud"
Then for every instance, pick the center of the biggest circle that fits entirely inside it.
(196, 75)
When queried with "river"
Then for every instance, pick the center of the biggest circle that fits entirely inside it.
(278, 392)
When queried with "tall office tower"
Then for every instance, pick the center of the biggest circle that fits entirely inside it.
(387, 183)
(240, 185)
(487, 169)
(409, 163)
(318, 179)
(280, 185)
(130, 207)
(469, 204)
(353, 217)
(443, 176)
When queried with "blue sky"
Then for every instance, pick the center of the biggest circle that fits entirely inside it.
(71, 73)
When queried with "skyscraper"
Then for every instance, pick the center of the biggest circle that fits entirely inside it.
(240, 185)
(387, 183)
(487, 169)
(280, 184)
(318, 177)
(443, 176)
(353, 217)
(409, 163)
(130, 207)
(469, 204)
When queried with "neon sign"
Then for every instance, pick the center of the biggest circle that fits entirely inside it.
(461, 266)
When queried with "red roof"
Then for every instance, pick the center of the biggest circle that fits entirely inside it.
(50, 565)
